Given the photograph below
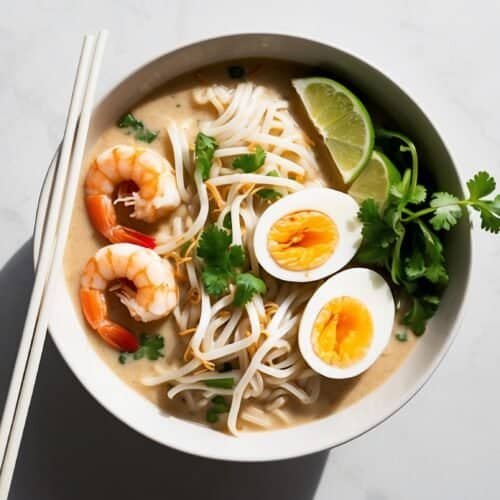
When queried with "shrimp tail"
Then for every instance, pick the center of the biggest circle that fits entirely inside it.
(118, 337)
(122, 234)
(103, 217)
(95, 310)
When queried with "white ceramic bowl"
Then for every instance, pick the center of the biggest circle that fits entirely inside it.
(146, 418)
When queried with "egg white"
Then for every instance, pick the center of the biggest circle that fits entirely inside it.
(369, 288)
(341, 208)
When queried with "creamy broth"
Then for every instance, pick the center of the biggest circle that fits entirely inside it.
(174, 101)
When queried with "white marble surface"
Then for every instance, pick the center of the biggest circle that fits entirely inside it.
(446, 443)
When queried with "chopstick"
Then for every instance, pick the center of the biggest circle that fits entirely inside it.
(63, 190)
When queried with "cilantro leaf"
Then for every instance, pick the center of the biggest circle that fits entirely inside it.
(215, 280)
(204, 149)
(481, 185)
(236, 256)
(433, 251)
(133, 125)
(374, 226)
(247, 285)
(490, 214)
(150, 347)
(146, 135)
(250, 162)
(270, 194)
(216, 250)
(378, 235)
(418, 195)
(447, 211)
(421, 310)
(213, 245)
(223, 262)
(129, 121)
(415, 266)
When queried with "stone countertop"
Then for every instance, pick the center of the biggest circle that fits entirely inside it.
(445, 444)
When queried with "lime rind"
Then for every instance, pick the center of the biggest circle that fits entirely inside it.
(343, 122)
(375, 180)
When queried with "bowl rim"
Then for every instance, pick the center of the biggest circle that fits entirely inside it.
(382, 416)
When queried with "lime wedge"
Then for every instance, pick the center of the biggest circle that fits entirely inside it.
(375, 180)
(342, 121)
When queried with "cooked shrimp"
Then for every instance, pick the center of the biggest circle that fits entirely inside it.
(153, 192)
(154, 296)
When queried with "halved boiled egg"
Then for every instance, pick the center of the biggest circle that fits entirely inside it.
(308, 235)
(347, 323)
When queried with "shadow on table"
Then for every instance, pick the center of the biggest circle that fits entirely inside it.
(73, 448)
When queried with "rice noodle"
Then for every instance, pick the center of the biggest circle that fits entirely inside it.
(198, 224)
(264, 180)
(176, 142)
(260, 340)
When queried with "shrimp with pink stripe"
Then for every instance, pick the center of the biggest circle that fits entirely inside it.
(143, 179)
(143, 281)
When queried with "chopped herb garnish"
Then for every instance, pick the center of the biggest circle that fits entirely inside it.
(236, 71)
(223, 263)
(129, 121)
(137, 127)
(204, 149)
(150, 347)
(218, 400)
(270, 194)
(247, 285)
(402, 336)
(219, 257)
(214, 246)
(146, 135)
(220, 383)
(219, 406)
(403, 240)
(250, 162)
(212, 416)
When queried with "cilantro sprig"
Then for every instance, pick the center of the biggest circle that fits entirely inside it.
(405, 241)
(150, 347)
(137, 127)
(223, 263)
(204, 149)
(446, 209)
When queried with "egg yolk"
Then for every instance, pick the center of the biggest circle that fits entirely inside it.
(342, 332)
(302, 240)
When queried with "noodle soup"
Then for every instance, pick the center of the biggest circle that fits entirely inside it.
(207, 370)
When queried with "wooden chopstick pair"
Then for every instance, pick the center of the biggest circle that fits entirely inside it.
(62, 194)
